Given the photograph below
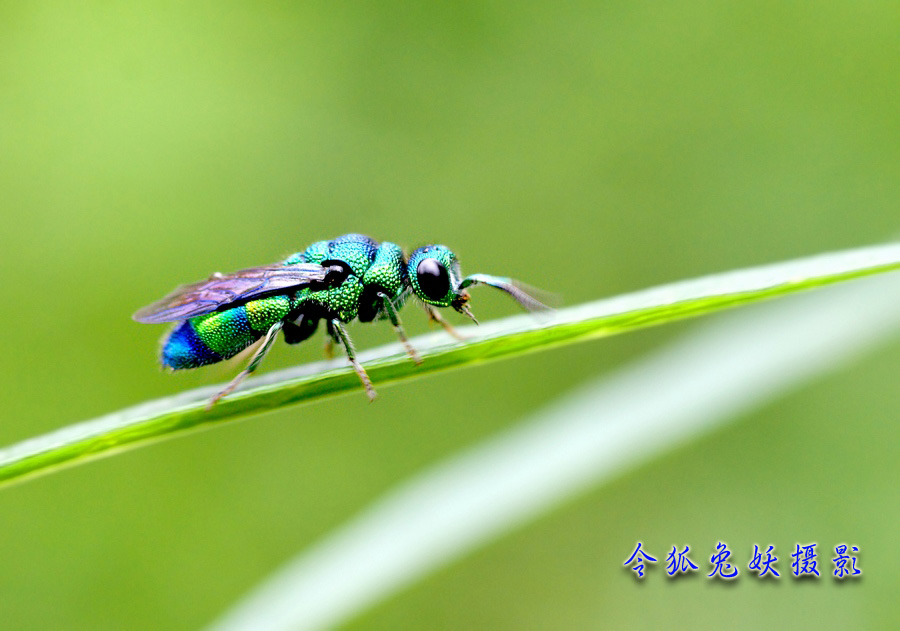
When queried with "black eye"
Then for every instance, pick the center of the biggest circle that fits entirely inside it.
(434, 281)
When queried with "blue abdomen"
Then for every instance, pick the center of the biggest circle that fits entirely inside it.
(184, 349)
(212, 337)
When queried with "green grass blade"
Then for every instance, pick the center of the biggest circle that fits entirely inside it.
(170, 416)
(710, 377)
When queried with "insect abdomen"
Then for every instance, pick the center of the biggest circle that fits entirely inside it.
(210, 338)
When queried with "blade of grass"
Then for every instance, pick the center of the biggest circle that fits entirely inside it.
(167, 417)
(611, 425)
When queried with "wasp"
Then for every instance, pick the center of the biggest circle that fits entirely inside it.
(349, 278)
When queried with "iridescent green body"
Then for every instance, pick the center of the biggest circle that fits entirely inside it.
(349, 278)
(372, 267)
(219, 335)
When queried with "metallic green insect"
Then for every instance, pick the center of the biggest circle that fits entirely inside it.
(350, 278)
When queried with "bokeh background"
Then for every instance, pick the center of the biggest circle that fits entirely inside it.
(587, 148)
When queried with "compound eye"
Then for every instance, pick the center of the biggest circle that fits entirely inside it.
(434, 281)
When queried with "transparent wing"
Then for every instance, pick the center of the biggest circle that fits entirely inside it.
(220, 290)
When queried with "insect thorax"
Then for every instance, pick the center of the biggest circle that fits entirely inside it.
(371, 268)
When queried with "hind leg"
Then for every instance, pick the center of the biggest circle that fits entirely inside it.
(257, 358)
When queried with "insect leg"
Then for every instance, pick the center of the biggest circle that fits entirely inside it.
(330, 339)
(435, 316)
(344, 339)
(257, 358)
(395, 320)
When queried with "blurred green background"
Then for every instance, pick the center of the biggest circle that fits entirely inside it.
(586, 148)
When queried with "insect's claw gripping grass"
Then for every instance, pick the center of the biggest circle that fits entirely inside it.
(364, 377)
(435, 316)
(228, 389)
(255, 361)
(413, 355)
(394, 317)
(338, 328)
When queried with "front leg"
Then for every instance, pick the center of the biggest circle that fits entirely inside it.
(394, 317)
(435, 316)
(337, 329)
